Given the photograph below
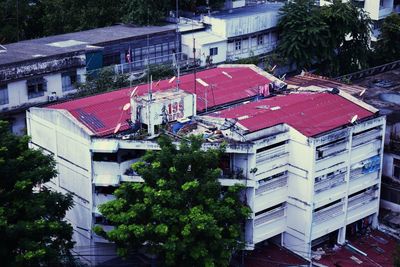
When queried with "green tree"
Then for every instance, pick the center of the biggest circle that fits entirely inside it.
(32, 229)
(102, 80)
(350, 29)
(180, 213)
(335, 38)
(144, 12)
(388, 46)
(304, 36)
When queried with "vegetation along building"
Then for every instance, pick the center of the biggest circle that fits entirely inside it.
(310, 159)
(43, 70)
(376, 9)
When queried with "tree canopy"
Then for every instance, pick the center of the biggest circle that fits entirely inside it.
(27, 19)
(32, 229)
(388, 46)
(334, 37)
(180, 213)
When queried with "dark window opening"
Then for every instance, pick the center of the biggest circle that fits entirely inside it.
(214, 51)
(260, 40)
(111, 157)
(396, 168)
(112, 59)
(36, 87)
(107, 190)
(238, 45)
(269, 209)
(270, 147)
(3, 95)
(327, 205)
(69, 80)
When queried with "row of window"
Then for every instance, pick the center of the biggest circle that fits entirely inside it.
(260, 41)
(141, 53)
(38, 86)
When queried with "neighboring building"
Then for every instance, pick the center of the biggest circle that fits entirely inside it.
(382, 91)
(234, 34)
(310, 159)
(376, 9)
(43, 70)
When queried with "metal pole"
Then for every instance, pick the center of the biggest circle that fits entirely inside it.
(194, 62)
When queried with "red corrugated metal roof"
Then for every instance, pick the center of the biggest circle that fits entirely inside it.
(309, 113)
(378, 246)
(101, 113)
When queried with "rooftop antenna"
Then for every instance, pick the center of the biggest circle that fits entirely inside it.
(208, 7)
(203, 83)
(177, 47)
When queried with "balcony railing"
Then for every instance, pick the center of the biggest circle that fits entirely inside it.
(269, 216)
(270, 153)
(272, 184)
(328, 213)
(329, 183)
(360, 200)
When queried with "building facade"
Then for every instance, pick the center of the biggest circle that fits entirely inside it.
(234, 34)
(310, 160)
(39, 71)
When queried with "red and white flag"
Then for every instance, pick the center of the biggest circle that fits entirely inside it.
(129, 55)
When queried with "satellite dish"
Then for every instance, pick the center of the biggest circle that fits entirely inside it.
(126, 106)
(172, 79)
(354, 118)
(363, 92)
(134, 91)
(117, 128)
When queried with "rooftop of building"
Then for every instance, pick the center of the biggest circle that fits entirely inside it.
(310, 113)
(204, 37)
(271, 255)
(383, 92)
(248, 10)
(218, 87)
(375, 249)
(308, 79)
(72, 42)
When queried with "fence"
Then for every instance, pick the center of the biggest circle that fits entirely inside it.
(368, 72)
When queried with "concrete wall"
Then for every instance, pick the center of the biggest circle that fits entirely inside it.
(54, 132)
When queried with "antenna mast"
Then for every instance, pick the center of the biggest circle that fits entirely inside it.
(177, 46)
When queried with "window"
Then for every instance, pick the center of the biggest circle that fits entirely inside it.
(3, 94)
(68, 80)
(214, 51)
(112, 59)
(36, 87)
(396, 168)
(260, 40)
(238, 45)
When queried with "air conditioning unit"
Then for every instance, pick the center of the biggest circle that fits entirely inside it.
(52, 98)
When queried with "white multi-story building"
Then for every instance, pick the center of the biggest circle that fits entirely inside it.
(234, 34)
(310, 159)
